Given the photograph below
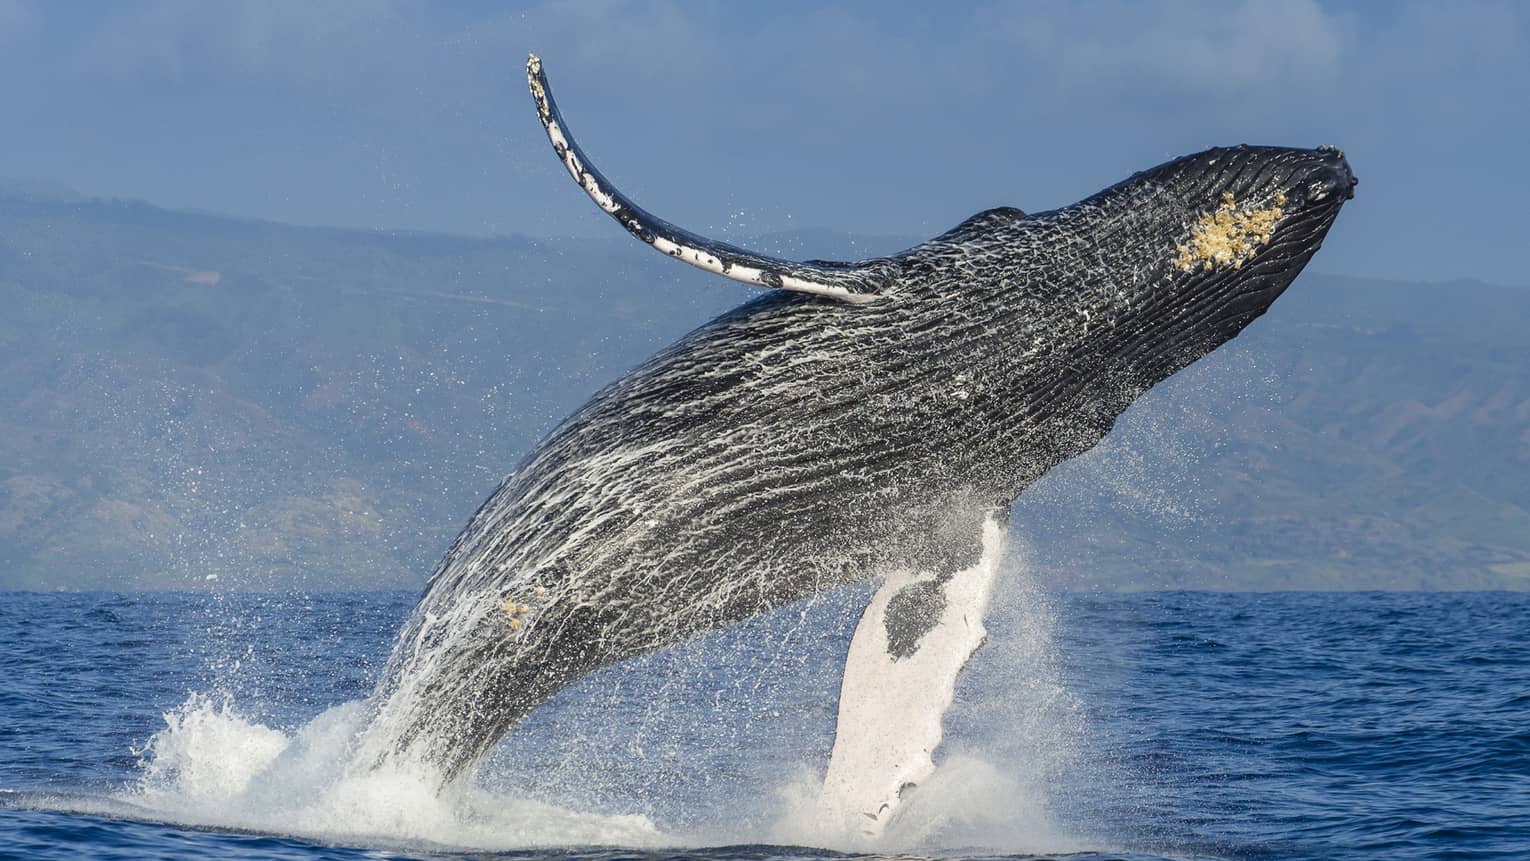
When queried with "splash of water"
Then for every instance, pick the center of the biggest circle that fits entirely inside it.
(1010, 730)
(892, 709)
(210, 767)
(1009, 736)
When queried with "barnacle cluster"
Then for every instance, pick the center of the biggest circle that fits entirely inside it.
(515, 612)
(1229, 234)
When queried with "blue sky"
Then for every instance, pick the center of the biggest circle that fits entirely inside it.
(733, 119)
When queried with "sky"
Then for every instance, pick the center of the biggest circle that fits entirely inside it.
(735, 119)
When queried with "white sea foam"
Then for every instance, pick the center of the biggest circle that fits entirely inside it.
(210, 767)
(1010, 738)
(968, 802)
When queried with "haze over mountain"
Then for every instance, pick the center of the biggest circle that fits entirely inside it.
(198, 401)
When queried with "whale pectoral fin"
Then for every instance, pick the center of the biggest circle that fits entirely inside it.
(915, 636)
(851, 282)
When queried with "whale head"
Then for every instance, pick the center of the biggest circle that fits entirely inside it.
(1065, 317)
(1137, 281)
(1220, 234)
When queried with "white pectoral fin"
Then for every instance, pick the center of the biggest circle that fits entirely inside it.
(900, 677)
(853, 283)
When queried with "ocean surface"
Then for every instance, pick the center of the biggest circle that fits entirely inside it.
(1160, 725)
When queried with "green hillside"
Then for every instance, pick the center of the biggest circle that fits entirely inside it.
(185, 397)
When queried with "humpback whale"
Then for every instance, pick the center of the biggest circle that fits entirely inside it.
(855, 419)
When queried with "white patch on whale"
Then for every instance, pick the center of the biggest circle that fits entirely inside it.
(891, 709)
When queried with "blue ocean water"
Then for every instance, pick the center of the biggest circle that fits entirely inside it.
(1161, 725)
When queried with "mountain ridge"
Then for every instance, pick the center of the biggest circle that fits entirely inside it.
(189, 396)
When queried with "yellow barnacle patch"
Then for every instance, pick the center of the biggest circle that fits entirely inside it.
(514, 613)
(1228, 235)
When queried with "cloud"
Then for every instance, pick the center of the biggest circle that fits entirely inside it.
(1466, 62)
(1138, 52)
(756, 71)
(893, 117)
(274, 43)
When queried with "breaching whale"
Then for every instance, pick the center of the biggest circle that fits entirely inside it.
(857, 419)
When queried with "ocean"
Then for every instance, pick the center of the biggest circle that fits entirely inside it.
(1135, 726)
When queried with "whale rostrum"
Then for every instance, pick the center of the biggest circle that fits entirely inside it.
(855, 420)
